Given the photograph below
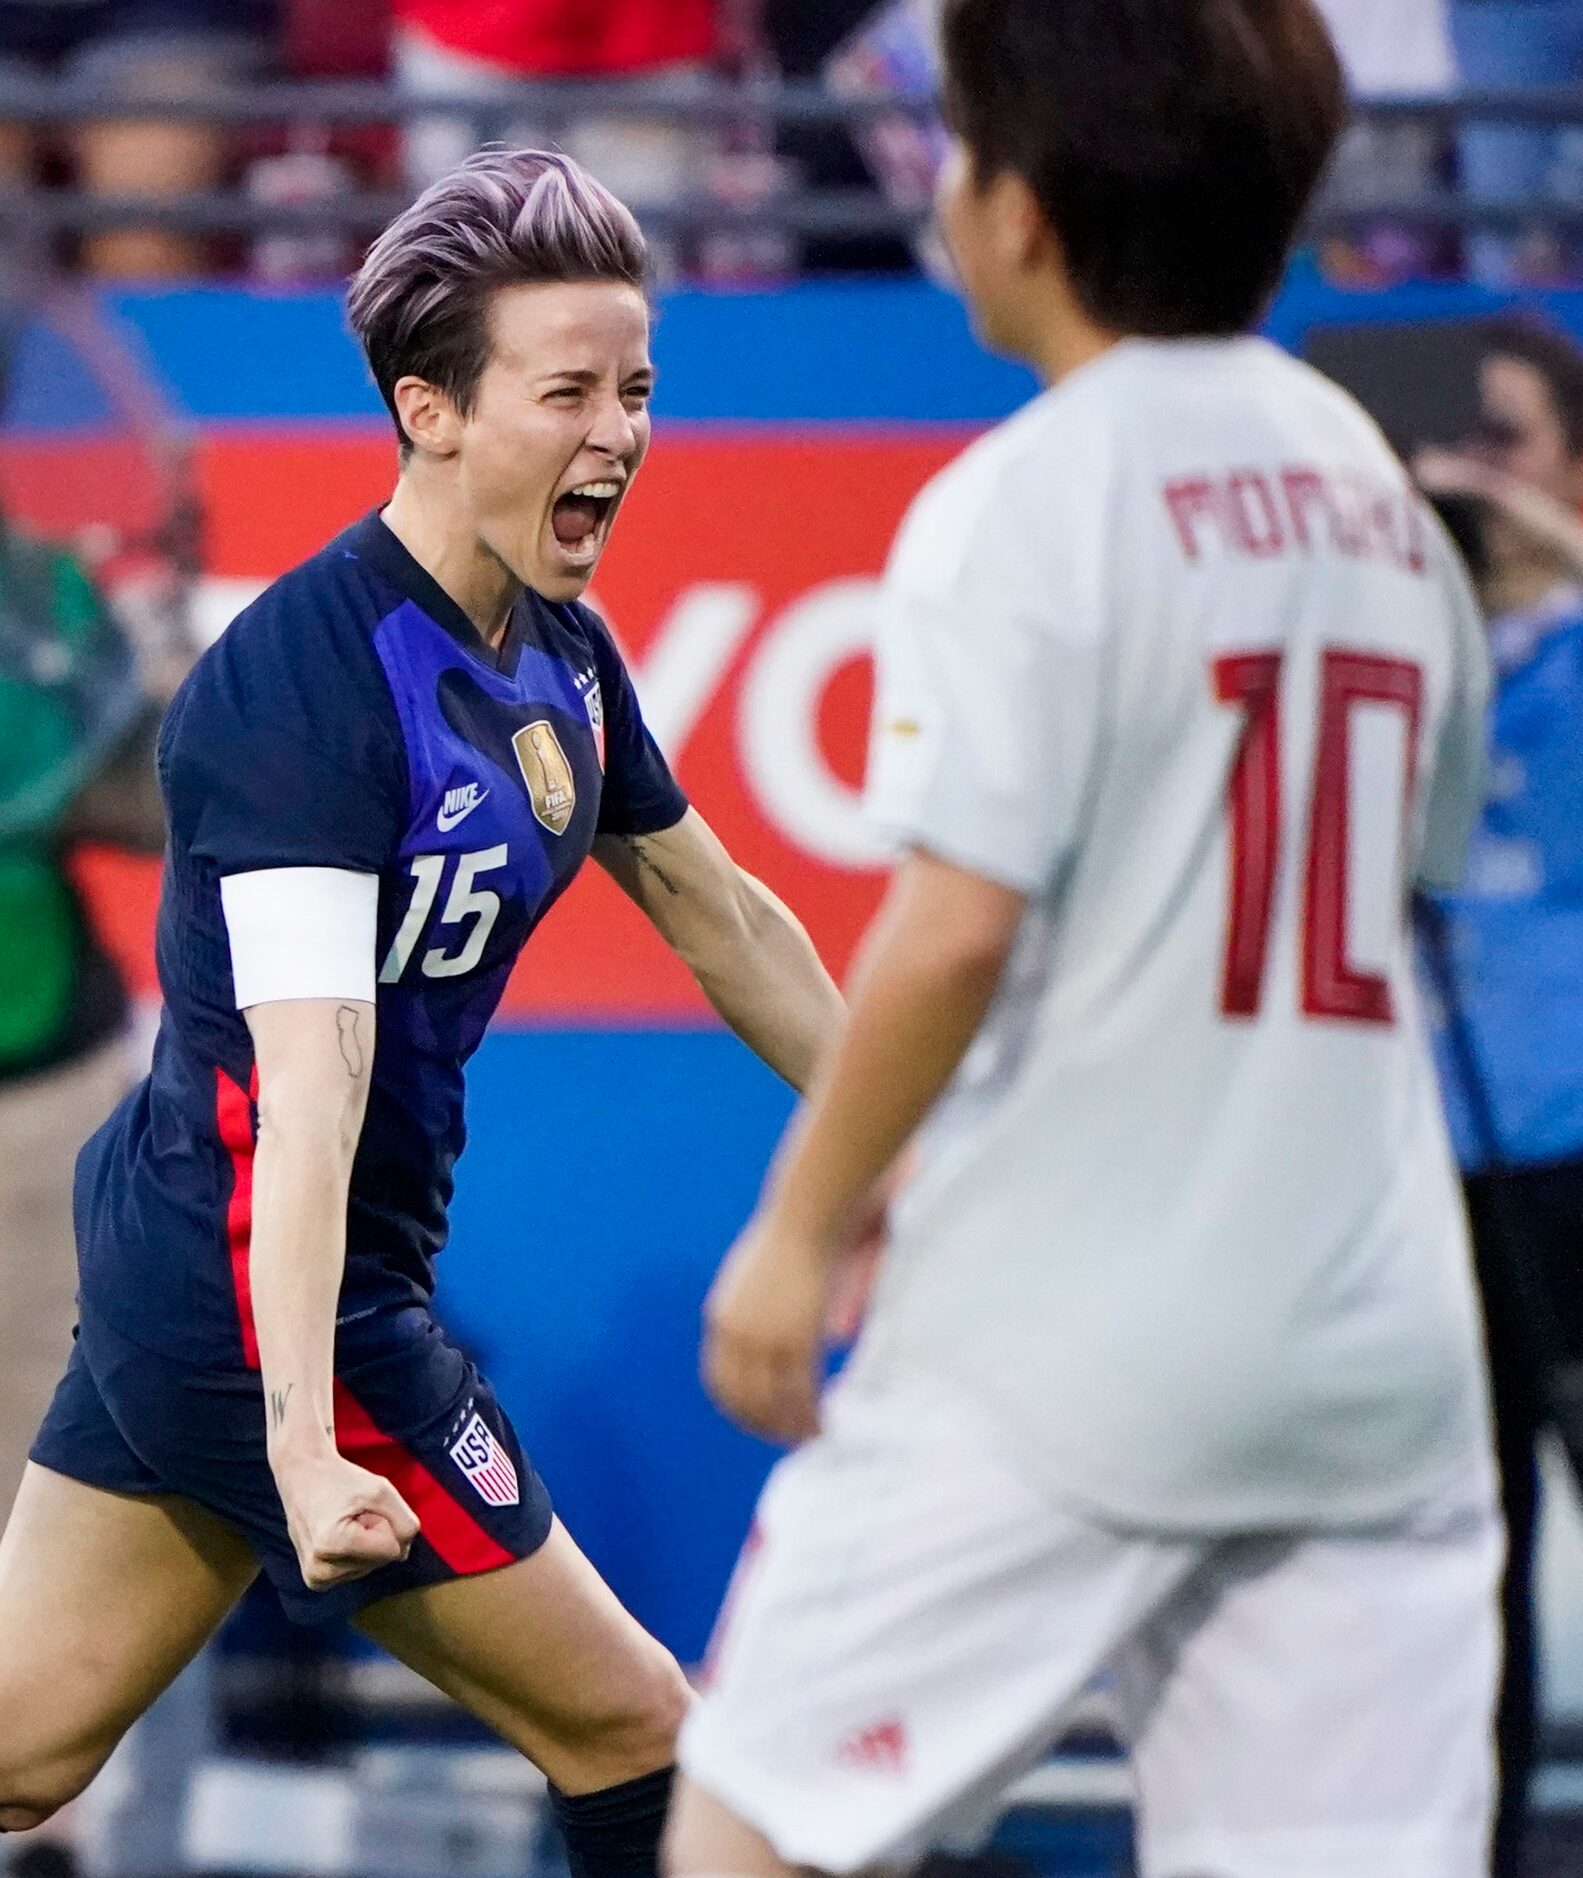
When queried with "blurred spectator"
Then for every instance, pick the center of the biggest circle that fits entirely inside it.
(1397, 50)
(76, 765)
(897, 50)
(1505, 45)
(336, 38)
(802, 36)
(450, 48)
(148, 49)
(1400, 50)
(79, 708)
(1508, 953)
(317, 163)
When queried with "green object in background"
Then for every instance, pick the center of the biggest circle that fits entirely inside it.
(69, 691)
(69, 695)
(39, 936)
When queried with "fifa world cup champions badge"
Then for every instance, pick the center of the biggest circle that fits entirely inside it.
(551, 785)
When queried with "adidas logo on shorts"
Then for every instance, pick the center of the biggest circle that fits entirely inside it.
(881, 1749)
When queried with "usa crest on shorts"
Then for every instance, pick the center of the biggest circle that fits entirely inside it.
(486, 1463)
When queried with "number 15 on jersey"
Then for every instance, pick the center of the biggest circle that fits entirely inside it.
(466, 901)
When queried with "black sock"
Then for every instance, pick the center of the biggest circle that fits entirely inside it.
(615, 1833)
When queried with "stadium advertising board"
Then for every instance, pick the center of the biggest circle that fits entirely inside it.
(741, 584)
(793, 428)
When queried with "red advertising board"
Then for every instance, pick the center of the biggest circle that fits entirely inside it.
(740, 583)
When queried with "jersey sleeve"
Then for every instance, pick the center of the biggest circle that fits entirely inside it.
(1459, 769)
(283, 749)
(641, 796)
(986, 689)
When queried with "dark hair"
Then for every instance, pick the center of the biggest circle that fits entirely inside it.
(1553, 356)
(420, 301)
(1172, 144)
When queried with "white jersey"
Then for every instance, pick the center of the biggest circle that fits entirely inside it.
(1178, 654)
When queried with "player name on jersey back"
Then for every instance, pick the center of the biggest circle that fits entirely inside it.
(1180, 656)
(1299, 509)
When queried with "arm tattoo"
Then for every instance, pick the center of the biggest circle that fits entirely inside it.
(647, 864)
(278, 1398)
(350, 1039)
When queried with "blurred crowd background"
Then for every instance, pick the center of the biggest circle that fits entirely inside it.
(184, 185)
(1467, 159)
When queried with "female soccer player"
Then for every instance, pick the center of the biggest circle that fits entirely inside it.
(1173, 1367)
(377, 784)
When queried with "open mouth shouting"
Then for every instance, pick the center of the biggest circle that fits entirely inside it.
(580, 522)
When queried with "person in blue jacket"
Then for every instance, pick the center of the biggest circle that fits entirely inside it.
(1506, 952)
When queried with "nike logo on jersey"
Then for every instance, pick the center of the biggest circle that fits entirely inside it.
(458, 805)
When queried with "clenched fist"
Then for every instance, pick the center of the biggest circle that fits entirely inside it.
(344, 1521)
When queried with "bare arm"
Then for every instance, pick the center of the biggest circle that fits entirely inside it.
(314, 1060)
(926, 978)
(750, 955)
(1549, 525)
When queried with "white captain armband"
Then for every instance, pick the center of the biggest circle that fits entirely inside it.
(301, 932)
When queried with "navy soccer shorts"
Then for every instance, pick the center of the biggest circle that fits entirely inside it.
(409, 1405)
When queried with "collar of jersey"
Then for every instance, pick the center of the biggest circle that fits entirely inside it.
(371, 541)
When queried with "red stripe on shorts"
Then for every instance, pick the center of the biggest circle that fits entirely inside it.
(447, 1525)
(233, 1114)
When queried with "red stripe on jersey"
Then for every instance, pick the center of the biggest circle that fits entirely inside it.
(447, 1525)
(1332, 985)
(233, 1114)
(1253, 680)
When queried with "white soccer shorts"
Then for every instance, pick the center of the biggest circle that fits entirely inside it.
(911, 1620)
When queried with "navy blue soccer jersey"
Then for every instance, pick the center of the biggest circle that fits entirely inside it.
(353, 718)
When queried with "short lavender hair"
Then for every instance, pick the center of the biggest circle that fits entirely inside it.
(420, 302)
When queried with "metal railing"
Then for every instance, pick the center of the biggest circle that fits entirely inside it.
(305, 110)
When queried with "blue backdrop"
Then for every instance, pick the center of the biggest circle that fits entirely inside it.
(605, 1175)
